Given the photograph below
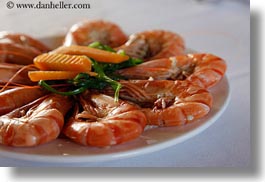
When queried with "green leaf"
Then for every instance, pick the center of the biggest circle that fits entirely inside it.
(69, 93)
(98, 45)
(105, 77)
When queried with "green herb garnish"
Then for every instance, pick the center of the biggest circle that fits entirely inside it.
(110, 68)
(98, 45)
(105, 77)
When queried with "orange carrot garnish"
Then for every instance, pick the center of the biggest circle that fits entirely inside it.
(97, 54)
(62, 62)
(54, 75)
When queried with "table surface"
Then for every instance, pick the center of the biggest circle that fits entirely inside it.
(218, 27)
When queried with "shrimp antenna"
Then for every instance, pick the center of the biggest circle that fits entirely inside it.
(14, 76)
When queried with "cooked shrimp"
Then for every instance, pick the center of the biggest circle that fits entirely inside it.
(205, 70)
(36, 123)
(24, 40)
(8, 70)
(154, 44)
(104, 122)
(86, 32)
(19, 48)
(166, 102)
(15, 53)
(17, 97)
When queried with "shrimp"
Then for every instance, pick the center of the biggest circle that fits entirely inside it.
(19, 48)
(25, 40)
(104, 122)
(154, 44)
(17, 97)
(86, 32)
(166, 102)
(205, 70)
(36, 123)
(8, 70)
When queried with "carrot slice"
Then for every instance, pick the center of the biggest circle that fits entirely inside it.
(62, 62)
(97, 54)
(54, 75)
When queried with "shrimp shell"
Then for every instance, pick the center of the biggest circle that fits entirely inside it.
(36, 123)
(19, 48)
(205, 70)
(25, 40)
(154, 44)
(104, 122)
(17, 97)
(86, 32)
(165, 102)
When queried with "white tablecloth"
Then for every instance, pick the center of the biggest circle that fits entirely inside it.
(218, 27)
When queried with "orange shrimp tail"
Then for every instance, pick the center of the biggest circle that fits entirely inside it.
(176, 115)
(209, 70)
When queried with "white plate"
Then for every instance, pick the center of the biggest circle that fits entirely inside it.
(153, 139)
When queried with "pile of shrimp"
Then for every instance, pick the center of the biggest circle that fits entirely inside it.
(171, 88)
